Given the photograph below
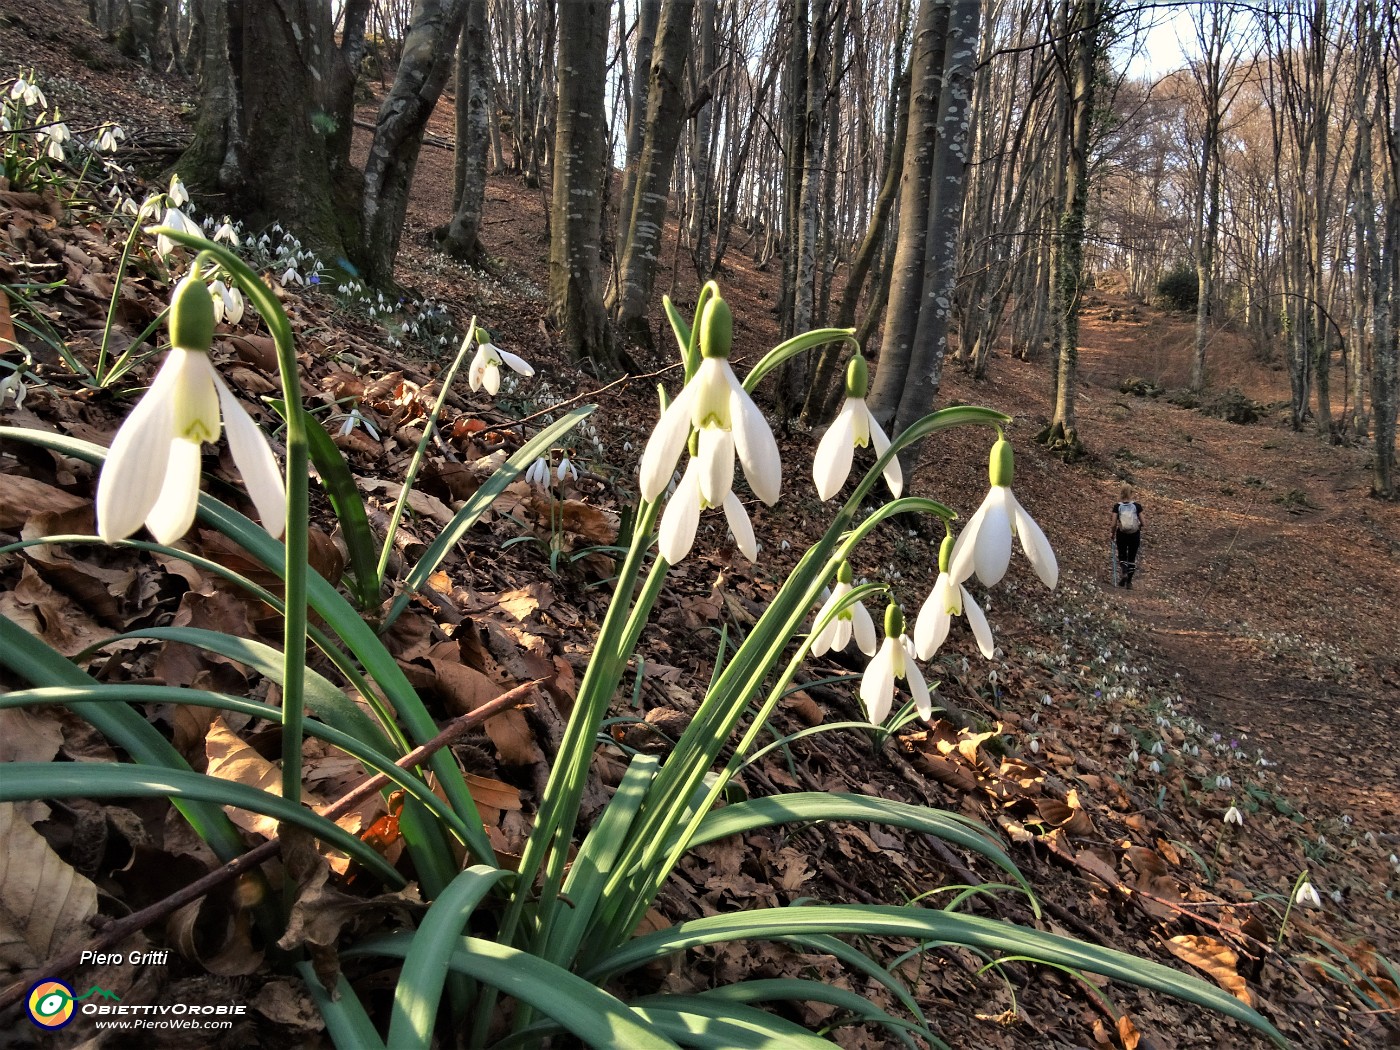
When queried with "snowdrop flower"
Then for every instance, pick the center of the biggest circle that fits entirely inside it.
(681, 518)
(55, 150)
(486, 365)
(567, 471)
(228, 303)
(853, 622)
(853, 427)
(1307, 895)
(1154, 766)
(895, 660)
(1157, 748)
(226, 234)
(1224, 782)
(985, 544)
(176, 220)
(111, 136)
(354, 419)
(946, 600)
(726, 419)
(152, 471)
(177, 193)
(1234, 816)
(289, 276)
(537, 474)
(13, 386)
(1133, 757)
(28, 92)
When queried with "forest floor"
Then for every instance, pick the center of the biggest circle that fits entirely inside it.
(1261, 634)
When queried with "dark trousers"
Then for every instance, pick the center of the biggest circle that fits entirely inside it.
(1127, 554)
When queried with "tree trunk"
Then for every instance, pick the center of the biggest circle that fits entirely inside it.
(462, 238)
(947, 184)
(269, 66)
(1063, 433)
(580, 164)
(648, 17)
(398, 132)
(907, 279)
(640, 248)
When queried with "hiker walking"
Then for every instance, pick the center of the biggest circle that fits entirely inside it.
(1127, 534)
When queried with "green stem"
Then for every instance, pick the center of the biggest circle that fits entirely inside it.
(416, 464)
(100, 372)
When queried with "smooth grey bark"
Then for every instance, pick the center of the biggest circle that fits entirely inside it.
(704, 125)
(648, 18)
(1062, 435)
(640, 246)
(1384, 250)
(462, 236)
(907, 278)
(580, 164)
(947, 186)
(423, 70)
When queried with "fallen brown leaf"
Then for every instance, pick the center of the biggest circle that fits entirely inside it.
(1215, 959)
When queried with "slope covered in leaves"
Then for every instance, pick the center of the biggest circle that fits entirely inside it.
(1254, 665)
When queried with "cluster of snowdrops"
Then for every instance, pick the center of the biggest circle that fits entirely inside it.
(152, 476)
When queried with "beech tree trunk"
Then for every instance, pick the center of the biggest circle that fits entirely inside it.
(462, 237)
(640, 247)
(423, 70)
(580, 165)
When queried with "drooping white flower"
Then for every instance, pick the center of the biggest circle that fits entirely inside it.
(28, 92)
(176, 220)
(110, 138)
(290, 276)
(725, 418)
(355, 419)
(894, 661)
(177, 193)
(537, 474)
(1234, 816)
(567, 470)
(854, 427)
(1307, 895)
(226, 234)
(228, 302)
(13, 386)
(853, 622)
(152, 471)
(486, 365)
(946, 600)
(681, 518)
(985, 544)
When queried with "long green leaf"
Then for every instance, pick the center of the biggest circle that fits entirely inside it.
(950, 927)
(419, 991)
(692, 1020)
(343, 1012)
(35, 780)
(822, 805)
(35, 661)
(858, 962)
(349, 508)
(322, 697)
(104, 693)
(480, 500)
(599, 1019)
(794, 989)
(340, 617)
(793, 346)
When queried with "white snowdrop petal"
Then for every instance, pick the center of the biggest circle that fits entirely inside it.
(919, 689)
(665, 444)
(960, 562)
(517, 364)
(131, 477)
(1035, 544)
(877, 684)
(255, 461)
(864, 629)
(716, 456)
(981, 630)
(894, 475)
(740, 526)
(991, 552)
(757, 448)
(680, 519)
(831, 466)
(175, 507)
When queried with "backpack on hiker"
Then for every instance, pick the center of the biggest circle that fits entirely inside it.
(1128, 520)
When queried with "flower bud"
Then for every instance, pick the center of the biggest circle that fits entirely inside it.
(844, 573)
(894, 621)
(857, 377)
(1002, 464)
(716, 329)
(191, 320)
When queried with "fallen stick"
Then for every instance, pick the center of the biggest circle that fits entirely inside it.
(119, 929)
